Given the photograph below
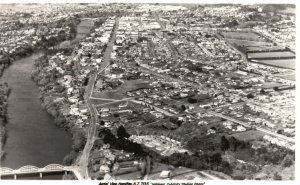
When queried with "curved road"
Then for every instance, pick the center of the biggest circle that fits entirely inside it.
(84, 159)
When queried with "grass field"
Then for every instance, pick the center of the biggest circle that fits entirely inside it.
(263, 48)
(243, 36)
(271, 85)
(288, 77)
(249, 43)
(250, 135)
(118, 93)
(286, 63)
(271, 54)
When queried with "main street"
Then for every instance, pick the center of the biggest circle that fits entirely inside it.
(175, 54)
(84, 159)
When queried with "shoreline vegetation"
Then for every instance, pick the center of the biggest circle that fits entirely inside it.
(52, 98)
(7, 59)
(4, 93)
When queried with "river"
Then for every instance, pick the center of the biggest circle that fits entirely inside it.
(32, 136)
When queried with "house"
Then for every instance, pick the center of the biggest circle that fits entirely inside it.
(105, 109)
(158, 115)
(103, 115)
(165, 174)
(240, 128)
(123, 105)
(211, 131)
(104, 169)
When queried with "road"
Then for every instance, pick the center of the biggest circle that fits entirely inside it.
(156, 108)
(84, 159)
(112, 102)
(203, 48)
(156, 17)
(210, 176)
(163, 26)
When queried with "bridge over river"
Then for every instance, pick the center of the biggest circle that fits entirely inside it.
(29, 169)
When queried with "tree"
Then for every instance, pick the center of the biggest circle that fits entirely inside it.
(250, 96)
(102, 122)
(70, 158)
(216, 159)
(98, 143)
(287, 161)
(280, 131)
(225, 145)
(192, 100)
(183, 108)
(109, 138)
(226, 168)
(78, 141)
(122, 133)
(277, 176)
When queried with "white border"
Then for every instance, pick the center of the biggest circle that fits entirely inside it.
(207, 182)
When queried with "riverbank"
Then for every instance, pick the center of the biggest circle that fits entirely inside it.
(7, 58)
(53, 95)
(50, 112)
(61, 90)
(4, 93)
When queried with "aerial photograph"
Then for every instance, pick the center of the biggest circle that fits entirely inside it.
(157, 91)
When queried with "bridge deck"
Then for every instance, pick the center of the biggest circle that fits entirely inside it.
(33, 169)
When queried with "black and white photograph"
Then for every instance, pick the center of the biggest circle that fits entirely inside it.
(109, 91)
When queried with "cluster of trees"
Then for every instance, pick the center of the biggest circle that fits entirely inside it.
(198, 98)
(79, 141)
(275, 155)
(233, 144)
(5, 61)
(122, 143)
(176, 121)
(212, 161)
(204, 143)
(52, 95)
(163, 125)
(212, 147)
(4, 92)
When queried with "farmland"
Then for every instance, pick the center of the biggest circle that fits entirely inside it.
(250, 42)
(262, 55)
(286, 63)
(264, 48)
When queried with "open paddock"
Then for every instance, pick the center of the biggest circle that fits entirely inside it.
(249, 43)
(263, 55)
(243, 36)
(119, 92)
(251, 135)
(285, 63)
